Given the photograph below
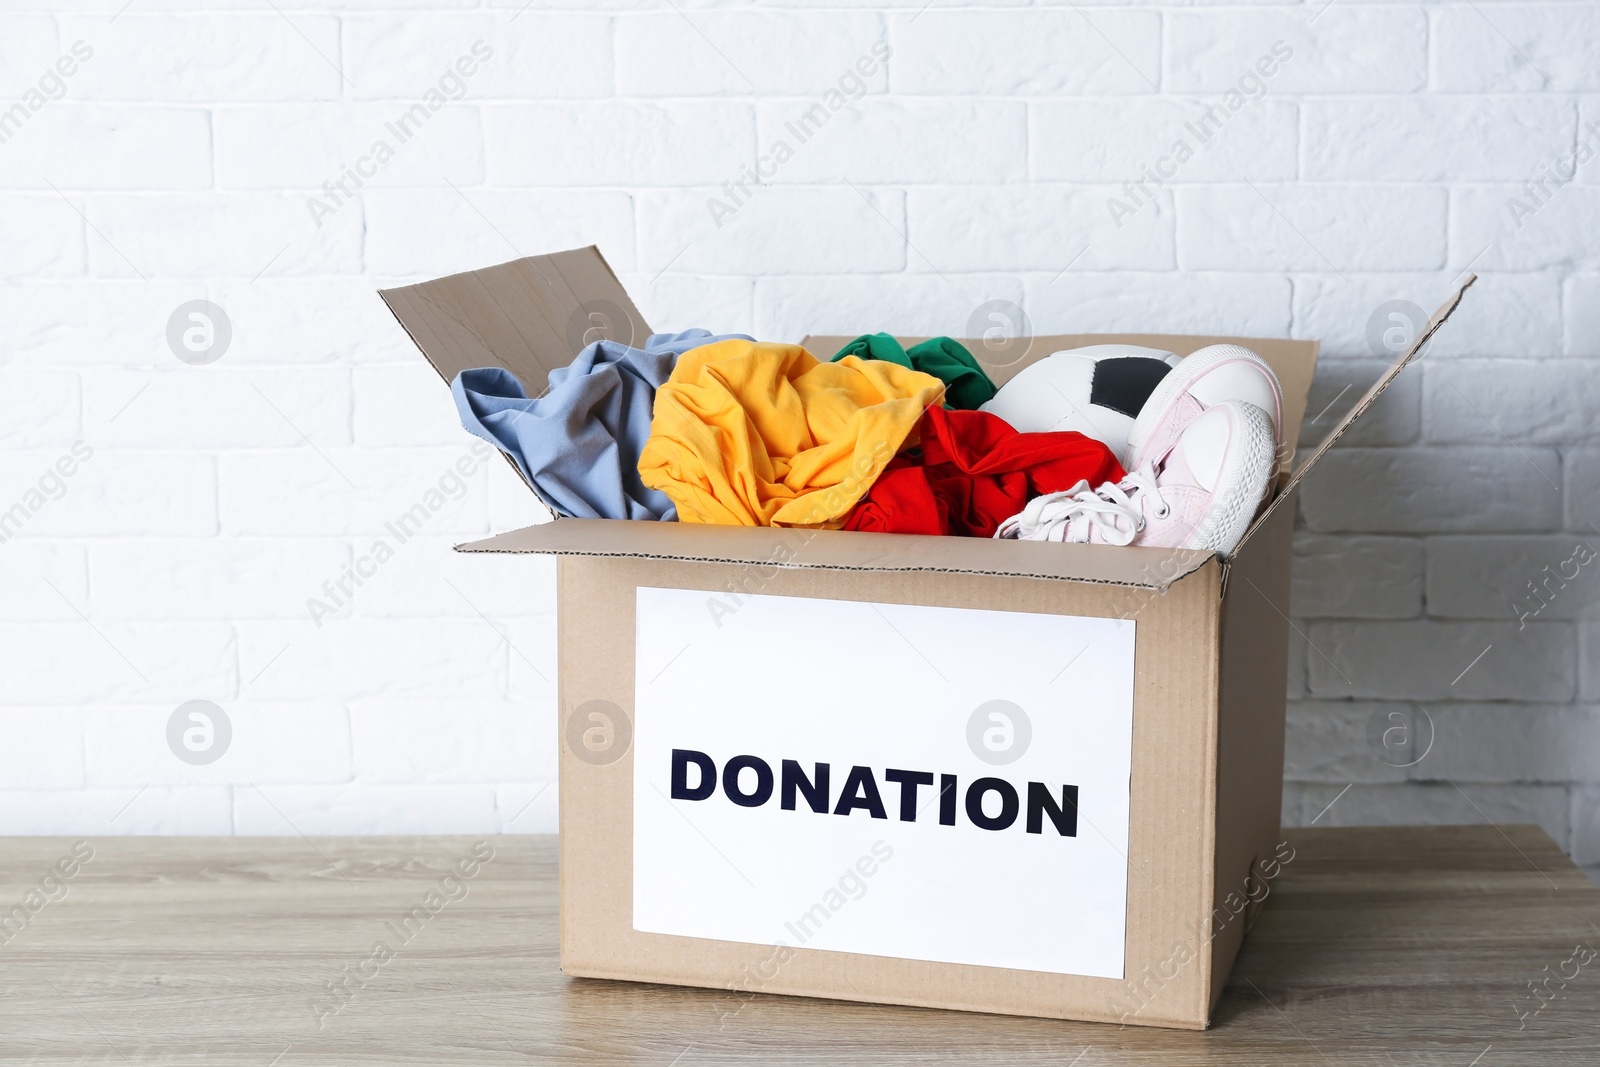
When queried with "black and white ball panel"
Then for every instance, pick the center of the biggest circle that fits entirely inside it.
(1096, 391)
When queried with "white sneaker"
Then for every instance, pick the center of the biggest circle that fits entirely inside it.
(1207, 377)
(1202, 494)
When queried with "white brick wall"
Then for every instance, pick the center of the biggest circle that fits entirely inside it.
(175, 163)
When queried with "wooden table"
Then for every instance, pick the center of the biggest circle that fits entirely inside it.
(1377, 947)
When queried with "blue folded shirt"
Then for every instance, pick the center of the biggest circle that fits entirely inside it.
(579, 444)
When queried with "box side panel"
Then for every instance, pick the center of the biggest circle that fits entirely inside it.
(595, 664)
(1171, 817)
(1253, 669)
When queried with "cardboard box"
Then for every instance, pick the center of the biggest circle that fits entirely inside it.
(1118, 713)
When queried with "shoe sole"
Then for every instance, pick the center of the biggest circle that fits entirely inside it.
(1180, 380)
(1245, 485)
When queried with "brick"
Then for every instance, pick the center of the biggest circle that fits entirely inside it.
(1441, 805)
(1118, 139)
(226, 56)
(345, 491)
(673, 302)
(1336, 741)
(212, 407)
(619, 142)
(1321, 228)
(39, 408)
(916, 305)
(379, 145)
(1378, 315)
(774, 231)
(362, 808)
(404, 406)
(228, 234)
(1347, 49)
(304, 320)
(1589, 654)
(483, 741)
(531, 644)
(1586, 829)
(367, 659)
(268, 743)
(1505, 228)
(1514, 578)
(110, 493)
(1357, 577)
(92, 812)
(677, 53)
(92, 146)
(1187, 302)
(532, 54)
(1581, 305)
(1062, 52)
(85, 662)
(997, 229)
(1583, 490)
(211, 578)
(1290, 813)
(427, 579)
(1296, 687)
(44, 236)
(1387, 140)
(512, 504)
(43, 749)
(28, 52)
(1510, 743)
(801, 141)
(1550, 402)
(1427, 660)
(1529, 47)
(28, 568)
(90, 323)
(429, 233)
(1433, 490)
(1394, 419)
(503, 586)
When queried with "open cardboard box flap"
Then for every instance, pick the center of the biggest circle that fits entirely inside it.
(1444, 311)
(532, 315)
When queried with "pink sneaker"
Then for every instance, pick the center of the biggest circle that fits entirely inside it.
(1207, 377)
(1202, 494)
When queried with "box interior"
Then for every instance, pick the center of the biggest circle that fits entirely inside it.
(531, 316)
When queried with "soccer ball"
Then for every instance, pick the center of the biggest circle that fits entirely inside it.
(1096, 391)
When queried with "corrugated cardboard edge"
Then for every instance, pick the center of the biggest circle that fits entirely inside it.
(1439, 318)
(774, 548)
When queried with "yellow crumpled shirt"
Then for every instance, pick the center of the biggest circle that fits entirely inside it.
(758, 434)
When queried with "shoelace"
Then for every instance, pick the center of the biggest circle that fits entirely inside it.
(1116, 509)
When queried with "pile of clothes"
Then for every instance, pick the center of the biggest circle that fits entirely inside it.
(1112, 444)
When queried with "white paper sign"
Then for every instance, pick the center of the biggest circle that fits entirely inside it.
(956, 742)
